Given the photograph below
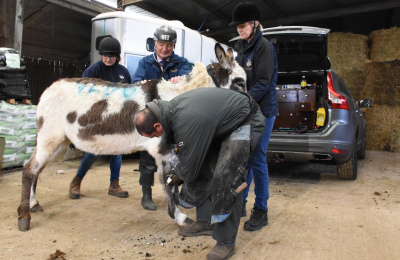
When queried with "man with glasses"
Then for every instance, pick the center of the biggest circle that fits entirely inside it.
(109, 69)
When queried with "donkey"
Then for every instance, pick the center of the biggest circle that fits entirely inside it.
(98, 117)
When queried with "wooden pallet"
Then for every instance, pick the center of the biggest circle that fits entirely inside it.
(24, 101)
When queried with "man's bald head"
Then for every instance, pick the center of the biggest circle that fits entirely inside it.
(146, 122)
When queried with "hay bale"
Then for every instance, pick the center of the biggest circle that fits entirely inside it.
(382, 82)
(394, 141)
(355, 80)
(382, 132)
(348, 53)
(385, 44)
(347, 50)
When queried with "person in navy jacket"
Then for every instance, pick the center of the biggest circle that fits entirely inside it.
(258, 58)
(109, 69)
(162, 64)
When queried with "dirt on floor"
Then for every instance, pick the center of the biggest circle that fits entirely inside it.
(312, 215)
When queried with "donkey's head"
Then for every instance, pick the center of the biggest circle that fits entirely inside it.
(227, 73)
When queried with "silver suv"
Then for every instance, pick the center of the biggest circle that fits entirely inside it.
(318, 121)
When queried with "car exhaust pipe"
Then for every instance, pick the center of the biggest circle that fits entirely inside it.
(322, 157)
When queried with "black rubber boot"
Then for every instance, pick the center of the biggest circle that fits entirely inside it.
(258, 219)
(147, 200)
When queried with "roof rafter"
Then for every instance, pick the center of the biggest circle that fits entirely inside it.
(90, 8)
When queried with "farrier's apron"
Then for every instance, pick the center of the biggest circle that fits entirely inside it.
(225, 168)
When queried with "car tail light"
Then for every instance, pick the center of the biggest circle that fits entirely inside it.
(335, 99)
(339, 151)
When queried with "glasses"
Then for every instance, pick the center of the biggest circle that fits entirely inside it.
(109, 57)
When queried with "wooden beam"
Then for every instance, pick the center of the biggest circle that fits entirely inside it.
(37, 15)
(51, 54)
(18, 25)
(8, 13)
(130, 2)
(89, 8)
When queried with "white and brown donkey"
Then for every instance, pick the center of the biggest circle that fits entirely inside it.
(98, 117)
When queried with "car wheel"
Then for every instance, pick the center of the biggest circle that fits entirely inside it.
(361, 151)
(348, 170)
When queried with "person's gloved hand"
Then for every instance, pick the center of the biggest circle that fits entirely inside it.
(173, 180)
(174, 159)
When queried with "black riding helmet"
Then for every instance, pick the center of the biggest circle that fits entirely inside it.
(165, 34)
(110, 46)
(245, 12)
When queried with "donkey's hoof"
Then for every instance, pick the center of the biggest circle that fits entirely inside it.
(36, 208)
(23, 224)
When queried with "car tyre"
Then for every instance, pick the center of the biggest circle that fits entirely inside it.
(361, 151)
(348, 170)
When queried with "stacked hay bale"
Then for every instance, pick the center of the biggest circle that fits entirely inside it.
(382, 86)
(348, 52)
(385, 44)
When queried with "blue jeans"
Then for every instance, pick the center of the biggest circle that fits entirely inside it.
(259, 168)
(89, 159)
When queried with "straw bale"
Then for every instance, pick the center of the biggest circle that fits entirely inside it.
(385, 44)
(354, 78)
(382, 132)
(382, 82)
(347, 50)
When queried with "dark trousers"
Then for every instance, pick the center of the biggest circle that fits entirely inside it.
(224, 206)
(224, 232)
(147, 168)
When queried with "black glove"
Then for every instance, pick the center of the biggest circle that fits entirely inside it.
(173, 180)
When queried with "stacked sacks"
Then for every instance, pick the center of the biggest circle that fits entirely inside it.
(18, 126)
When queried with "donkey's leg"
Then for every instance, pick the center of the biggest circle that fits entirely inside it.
(33, 202)
(171, 195)
(44, 150)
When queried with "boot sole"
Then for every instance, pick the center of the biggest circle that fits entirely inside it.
(74, 196)
(251, 228)
(226, 258)
(149, 208)
(202, 233)
(118, 195)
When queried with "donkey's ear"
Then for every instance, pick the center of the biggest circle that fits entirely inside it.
(229, 55)
(219, 52)
(224, 59)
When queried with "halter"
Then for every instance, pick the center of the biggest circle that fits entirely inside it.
(211, 73)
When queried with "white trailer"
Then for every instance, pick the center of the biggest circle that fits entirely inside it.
(133, 31)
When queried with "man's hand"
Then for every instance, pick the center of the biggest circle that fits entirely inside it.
(173, 180)
(176, 79)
